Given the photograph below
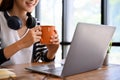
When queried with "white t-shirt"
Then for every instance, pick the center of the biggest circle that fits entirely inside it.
(10, 36)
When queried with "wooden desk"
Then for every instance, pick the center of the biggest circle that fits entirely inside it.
(111, 72)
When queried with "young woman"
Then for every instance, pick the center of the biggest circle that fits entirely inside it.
(17, 38)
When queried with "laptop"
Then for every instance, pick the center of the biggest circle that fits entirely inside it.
(87, 51)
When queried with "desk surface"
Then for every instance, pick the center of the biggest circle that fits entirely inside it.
(111, 72)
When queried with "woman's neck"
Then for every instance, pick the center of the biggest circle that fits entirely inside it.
(20, 14)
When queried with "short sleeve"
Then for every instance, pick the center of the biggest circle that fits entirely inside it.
(2, 56)
(40, 53)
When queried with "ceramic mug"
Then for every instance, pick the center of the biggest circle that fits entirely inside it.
(47, 32)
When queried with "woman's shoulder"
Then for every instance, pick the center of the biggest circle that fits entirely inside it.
(1, 17)
(1, 13)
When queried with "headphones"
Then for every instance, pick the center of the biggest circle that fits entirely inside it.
(15, 23)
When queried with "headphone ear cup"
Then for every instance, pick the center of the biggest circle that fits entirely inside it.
(31, 22)
(14, 22)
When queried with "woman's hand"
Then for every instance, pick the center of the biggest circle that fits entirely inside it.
(33, 35)
(53, 47)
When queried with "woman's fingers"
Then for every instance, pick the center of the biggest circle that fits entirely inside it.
(54, 39)
(37, 28)
(36, 33)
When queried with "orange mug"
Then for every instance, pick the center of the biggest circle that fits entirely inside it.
(47, 32)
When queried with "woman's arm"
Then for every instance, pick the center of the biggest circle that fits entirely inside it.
(46, 52)
(12, 49)
(7, 52)
(53, 47)
(31, 37)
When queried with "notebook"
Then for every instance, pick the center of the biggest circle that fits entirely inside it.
(87, 51)
(6, 74)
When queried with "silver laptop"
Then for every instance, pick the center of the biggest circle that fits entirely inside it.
(87, 51)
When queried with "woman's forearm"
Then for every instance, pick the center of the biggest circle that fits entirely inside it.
(50, 56)
(12, 49)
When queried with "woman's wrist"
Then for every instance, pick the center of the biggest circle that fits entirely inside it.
(46, 59)
(50, 56)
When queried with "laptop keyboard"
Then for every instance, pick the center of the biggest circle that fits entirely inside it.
(57, 70)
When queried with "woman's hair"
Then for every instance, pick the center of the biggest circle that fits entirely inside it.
(6, 5)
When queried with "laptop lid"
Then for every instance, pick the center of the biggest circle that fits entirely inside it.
(88, 48)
